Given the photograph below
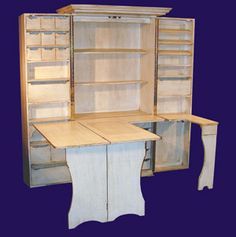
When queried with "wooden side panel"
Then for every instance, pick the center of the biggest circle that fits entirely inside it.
(24, 109)
(124, 190)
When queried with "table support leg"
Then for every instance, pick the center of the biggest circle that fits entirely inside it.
(87, 167)
(206, 177)
(124, 169)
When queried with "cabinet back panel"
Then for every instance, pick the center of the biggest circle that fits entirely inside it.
(106, 98)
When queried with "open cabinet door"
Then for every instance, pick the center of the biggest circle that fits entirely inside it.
(174, 74)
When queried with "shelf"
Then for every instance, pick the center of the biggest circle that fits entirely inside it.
(45, 30)
(51, 119)
(99, 51)
(48, 61)
(110, 82)
(174, 65)
(37, 144)
(48, 46)
(175, 52)
(46, 165)
(187, 95)
(175, 42)
(49, 81)
(174, 76)
(162, 30)
(48, 102)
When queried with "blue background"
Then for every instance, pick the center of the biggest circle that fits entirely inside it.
(174, 207)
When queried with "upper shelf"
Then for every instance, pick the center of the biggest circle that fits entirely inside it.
(110, 82)
(109, 50)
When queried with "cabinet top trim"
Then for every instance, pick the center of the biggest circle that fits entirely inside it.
(110, 9)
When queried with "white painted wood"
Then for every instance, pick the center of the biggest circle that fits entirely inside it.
(206, 177)
(124, 169)
(87, 166)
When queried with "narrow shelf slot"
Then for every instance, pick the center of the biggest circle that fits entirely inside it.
(45, 30)
(173, 76)
(110, 82)
(49, 81)
(175, 52)
(174, 65)
(37, 144)
(48, 102)
(110, 50)
(49, 46)
(48, 61)
(175, 42)
(187, 95)
(166, 30)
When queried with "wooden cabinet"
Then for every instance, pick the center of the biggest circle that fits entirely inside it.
(106, 62)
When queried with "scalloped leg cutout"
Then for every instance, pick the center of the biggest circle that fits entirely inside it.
(124, 190)
(206, 177)
(87, 167)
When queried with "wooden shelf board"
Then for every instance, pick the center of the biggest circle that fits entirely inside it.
(174, 76)
(175, 52)
(47, 30)
(110, 50)
(111, 82)
(163, 30)
(46, 165)
(49, 80)
(48, 46)
(48, 61)
(39, 143)
(48, 102)
(109, 114)
(173, 65)
(50, 119)
(176, 95)
(175, 42)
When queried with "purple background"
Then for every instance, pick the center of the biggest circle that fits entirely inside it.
(173, 204)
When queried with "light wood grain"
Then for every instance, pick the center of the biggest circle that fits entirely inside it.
(189, 117)
(124, 190)
(118, 132)
(69, 134)
(110, 50)
(88, 169)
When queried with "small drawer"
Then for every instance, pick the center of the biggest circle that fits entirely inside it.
(62, 38)
(40, 153)
(33, 38)
(48, 54)
(62, 23)
(48, 38)
(58, 154)
(62, 53)
(34, 54)
(33, 23)
(47, 23)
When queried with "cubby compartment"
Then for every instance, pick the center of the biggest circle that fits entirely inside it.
(39, 152)
(62, 23)
(48, 54)
(39, 71)
(48, 38)
(176, 87)
(173, 104)
(62, 38)
(52, 175)
(62, 53)
(33, 38)
(58, 155)
(47, 22)
(33, 22)
(48, 110)
(48, 92)
(34, 54)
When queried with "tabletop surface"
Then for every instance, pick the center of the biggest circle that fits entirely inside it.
(69, 134)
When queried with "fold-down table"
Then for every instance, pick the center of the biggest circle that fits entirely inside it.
(105, 160)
